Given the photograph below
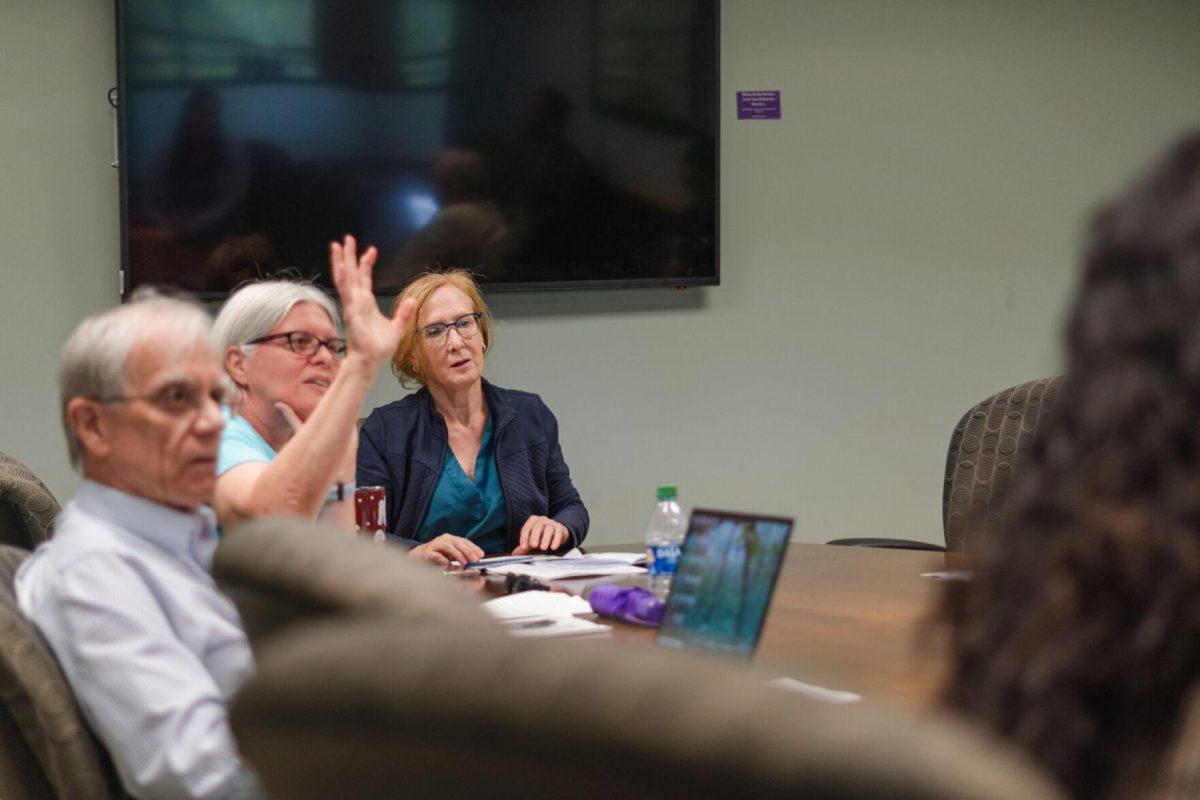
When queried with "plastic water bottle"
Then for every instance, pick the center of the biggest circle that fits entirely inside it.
(664, 540)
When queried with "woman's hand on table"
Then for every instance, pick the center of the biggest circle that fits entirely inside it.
(541, 534)
(447, 548)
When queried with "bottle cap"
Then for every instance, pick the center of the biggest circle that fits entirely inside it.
(667, 492)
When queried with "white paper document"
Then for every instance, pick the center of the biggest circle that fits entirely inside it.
(548, 627)
(544, 615)
(490, 562)
(949, 575)
(814, 692)
(626, 558)
(555, 568)
(531, 605)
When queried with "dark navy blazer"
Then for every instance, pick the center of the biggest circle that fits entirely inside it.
(402, 446)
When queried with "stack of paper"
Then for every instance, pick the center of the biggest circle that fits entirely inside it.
(555, 568)
(489, 562)
(544, 614)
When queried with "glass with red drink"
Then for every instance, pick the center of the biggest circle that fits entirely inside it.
(370, 512)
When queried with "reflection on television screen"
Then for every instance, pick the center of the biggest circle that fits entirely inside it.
(538, 142)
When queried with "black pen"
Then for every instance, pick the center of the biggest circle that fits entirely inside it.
(537, 623)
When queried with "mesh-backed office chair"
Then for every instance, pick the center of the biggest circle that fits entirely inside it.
(27, 508)
(280, 572)
(889, 544)
(986, 450)
(47, 751)
(373, 708)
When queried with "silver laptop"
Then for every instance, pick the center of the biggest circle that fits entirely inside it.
(724, 582)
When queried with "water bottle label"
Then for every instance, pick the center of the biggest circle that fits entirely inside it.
(661, 559)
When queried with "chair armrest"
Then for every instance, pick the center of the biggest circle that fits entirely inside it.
(891, 544)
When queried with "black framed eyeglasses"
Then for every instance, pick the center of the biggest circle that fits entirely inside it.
(305, 344)
(466, 325)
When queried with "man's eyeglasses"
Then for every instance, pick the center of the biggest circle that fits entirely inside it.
(305, 344)
(467, 326)
(176, 399)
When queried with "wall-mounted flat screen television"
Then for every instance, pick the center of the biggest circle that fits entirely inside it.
(540, 143)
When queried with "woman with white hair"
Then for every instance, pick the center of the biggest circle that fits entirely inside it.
(297, 386)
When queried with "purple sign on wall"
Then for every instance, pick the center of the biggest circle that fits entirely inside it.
(758, 105)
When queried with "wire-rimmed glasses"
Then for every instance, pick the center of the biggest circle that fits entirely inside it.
(467, 326)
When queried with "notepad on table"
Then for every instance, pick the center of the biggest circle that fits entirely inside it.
(549, 627)
(573, 565)
(543, 615)
(533, 605)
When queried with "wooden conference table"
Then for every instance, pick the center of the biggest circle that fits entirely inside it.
(846, 618)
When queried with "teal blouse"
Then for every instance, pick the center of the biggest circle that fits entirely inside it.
(475, 511)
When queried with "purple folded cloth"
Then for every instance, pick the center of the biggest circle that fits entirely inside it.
(630, 603)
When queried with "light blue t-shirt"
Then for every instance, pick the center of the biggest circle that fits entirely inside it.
(241, 444)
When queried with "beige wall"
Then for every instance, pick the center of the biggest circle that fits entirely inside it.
(58, 209)
(897, 247)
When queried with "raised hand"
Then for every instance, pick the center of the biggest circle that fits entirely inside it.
(369, 334)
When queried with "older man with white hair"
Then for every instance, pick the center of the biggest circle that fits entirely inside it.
(152, 649)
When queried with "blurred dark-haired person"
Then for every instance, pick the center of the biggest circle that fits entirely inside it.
(205, 184)
(298, 386)
(1079, 637)
(152, 650)
(469, 468)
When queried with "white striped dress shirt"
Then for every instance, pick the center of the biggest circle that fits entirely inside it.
(150, 646)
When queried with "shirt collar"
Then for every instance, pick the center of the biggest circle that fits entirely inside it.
(185, 534)
(502, 409)
(499, 407)
(243, 423)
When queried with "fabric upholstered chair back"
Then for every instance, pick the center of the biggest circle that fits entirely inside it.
(372, 708)
(986, 451)
(46, 748)
(280, 572)
(27, 508)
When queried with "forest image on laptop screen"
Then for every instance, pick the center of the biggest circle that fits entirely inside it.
(726, 576)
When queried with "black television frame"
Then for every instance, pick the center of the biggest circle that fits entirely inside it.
(125, 275)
